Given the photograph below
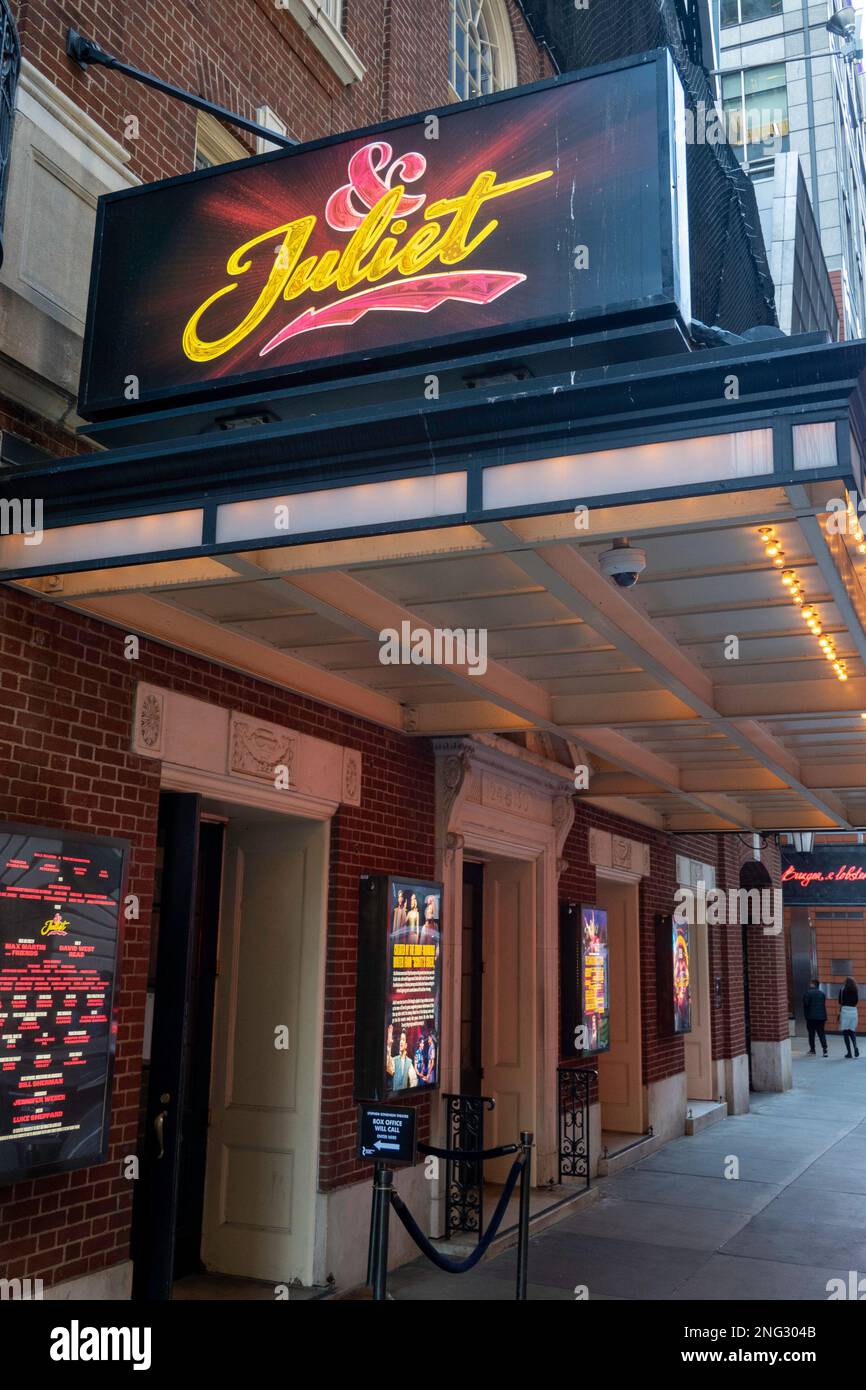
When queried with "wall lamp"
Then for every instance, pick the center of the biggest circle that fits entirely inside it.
(84, 51)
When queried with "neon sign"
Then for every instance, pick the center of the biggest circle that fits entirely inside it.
(447, 235)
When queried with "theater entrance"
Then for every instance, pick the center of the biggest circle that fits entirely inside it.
(620, 1070)
(229, 1113)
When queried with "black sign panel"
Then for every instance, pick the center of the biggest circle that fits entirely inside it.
(524, 212)
(60, 903)
(831, 874)
(387, 1135)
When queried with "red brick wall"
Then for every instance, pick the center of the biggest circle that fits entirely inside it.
(768, 982)
(66, 699)
(245, 53)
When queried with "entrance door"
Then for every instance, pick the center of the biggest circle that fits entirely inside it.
(508, 1007)
(260, 1199)
(157, 1190)
(620, 1070)
(698, 1043)
(471, 982)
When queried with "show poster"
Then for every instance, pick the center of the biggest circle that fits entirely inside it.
(681, 981)
(594, 981)
(60, 902)
(413, 985)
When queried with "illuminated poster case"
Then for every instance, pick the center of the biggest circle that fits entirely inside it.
(519, 215)
(673, 975)
(61, 895)
(584, 974)
(398, 1006)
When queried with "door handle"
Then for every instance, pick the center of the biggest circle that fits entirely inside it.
(159, 1125)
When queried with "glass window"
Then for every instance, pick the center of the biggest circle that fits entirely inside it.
(744, 11)
(482, 56)
(755, 103)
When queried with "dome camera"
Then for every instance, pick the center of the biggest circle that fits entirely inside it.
(624, 564)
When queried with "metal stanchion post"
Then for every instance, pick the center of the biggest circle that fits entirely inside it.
(523, 1223)
(371, 1248)
(382, 1183)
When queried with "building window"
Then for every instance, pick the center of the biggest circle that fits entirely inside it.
(744, 11)
(214, 144)
(482, 49)
(755, 104)
(334, 10)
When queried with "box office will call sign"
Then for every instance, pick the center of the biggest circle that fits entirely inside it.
(524, 211)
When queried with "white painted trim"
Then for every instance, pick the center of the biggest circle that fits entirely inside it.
(224, 787)
(326, 37)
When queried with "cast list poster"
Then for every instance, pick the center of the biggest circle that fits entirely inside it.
(59, 914)
(594, 985)
(414, 985)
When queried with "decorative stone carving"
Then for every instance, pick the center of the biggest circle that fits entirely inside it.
(453, 843)
(615, 852)
(563, 820)
(256, 749)
(505, 796)
(351, 777)
(149, 726)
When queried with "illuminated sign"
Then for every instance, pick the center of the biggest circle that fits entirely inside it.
(524, 212)
(57, 985)
(673, 975)
(828, 874)
(398, 1013)
(584, 981)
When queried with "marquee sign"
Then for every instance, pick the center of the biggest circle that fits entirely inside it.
(524, 212)
(60, 901)
(828, 874)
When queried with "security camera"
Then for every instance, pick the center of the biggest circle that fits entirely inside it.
(624, 564)
(843, 22)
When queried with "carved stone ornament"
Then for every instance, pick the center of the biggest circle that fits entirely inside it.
(149, 727)
(351, 777)
(256, 749)
(453, 843)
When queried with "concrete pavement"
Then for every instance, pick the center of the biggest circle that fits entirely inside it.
(676, 1227)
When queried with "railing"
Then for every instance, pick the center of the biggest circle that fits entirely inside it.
(10, 67)
(464, 1179)
(574, 1152)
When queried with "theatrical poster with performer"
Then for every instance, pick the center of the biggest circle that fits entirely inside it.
(413, 985)
(682, 977)
(60, 910)
(594, 983)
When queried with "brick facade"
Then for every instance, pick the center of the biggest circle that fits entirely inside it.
(66, 701)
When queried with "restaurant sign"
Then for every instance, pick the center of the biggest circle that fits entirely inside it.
(832, 874)
(523, 213)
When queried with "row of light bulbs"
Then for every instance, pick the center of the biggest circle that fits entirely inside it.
(774, 552)
(856, 529)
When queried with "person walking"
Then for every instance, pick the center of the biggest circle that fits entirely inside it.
(848, 999)
(815, 1014)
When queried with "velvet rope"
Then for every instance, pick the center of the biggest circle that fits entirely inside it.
(469, 1155)
(442, 1261)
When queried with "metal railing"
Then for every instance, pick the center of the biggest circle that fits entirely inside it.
(464, 1178)
(574, 1149)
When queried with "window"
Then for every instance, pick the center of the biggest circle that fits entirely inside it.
(744, 11)
(334, 10)
(214, 144)
(482, 49)
(755, 104)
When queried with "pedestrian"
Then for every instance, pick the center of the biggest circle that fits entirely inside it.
(848, 999)
(815, 1013)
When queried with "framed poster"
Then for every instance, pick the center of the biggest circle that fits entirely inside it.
(61, 894)
(673, 975)
(398, 1008)
(584, 981)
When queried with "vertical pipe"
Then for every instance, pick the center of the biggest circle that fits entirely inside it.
(523, 1222)
(383, 1181)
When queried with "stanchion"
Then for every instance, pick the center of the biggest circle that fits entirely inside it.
(523, 1220)
(383, 1180)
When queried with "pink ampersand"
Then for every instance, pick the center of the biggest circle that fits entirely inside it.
(366, 182)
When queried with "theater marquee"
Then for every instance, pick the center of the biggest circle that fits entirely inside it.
(524, 213)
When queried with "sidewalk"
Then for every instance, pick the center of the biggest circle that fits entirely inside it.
(674, 1227)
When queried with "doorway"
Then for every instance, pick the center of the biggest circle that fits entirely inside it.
(228, 1132)
(620, 1070)
(698, 1043)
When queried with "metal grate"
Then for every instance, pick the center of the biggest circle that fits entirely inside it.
(731, 282)
(10, 67)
